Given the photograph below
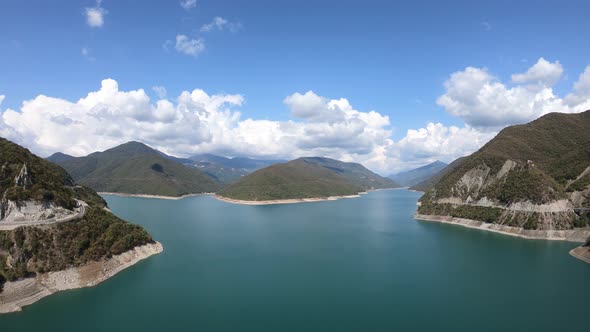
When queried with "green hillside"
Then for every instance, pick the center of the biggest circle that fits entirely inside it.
(541, 162)
(98, 234)
(305, 178)
(135, 168)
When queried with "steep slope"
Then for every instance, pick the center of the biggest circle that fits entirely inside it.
(417, 175)
(305, 178)
(427, 184)
(135, 168)
(533, 176)
(75, 226)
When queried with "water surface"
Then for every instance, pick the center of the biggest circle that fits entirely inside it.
(350, 265)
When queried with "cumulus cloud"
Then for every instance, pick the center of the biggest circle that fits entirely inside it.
(542, 73)
(188, 4)
(220, 23)
(195, 123)
(189, 46)
(481, 100)
(95, 15)
(198, 122)
(579, 99)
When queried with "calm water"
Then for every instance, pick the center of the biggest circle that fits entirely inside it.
(350, 265)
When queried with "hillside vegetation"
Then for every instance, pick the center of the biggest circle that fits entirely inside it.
(135, 168)
(543, 162)
(306, 178)
(26, 251)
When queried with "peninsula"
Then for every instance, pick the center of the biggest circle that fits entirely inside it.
(55, 234)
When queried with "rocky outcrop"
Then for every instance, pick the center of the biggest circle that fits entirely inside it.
(17, 294)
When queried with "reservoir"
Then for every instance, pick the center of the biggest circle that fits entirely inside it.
(360, 264)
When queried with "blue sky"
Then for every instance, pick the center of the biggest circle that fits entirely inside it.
(392, 58)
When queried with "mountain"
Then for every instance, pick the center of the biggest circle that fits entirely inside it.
(248, 164)
(417, 175)
(306, 178)
(135, 168)
(428, 183)
(228, 170)
(76, 227)
(533, 176)
(59, 157)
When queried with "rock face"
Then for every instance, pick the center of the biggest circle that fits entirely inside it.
(534, 176)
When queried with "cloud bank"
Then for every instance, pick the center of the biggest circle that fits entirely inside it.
(198, 122)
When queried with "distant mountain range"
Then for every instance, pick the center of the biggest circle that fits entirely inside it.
(228, 170)
(417, 175)
(429, 182)
(311, 177)
(533, 176)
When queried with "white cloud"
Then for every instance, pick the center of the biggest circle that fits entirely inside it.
(220, 23)
(95, 15)
(542, 73)
(579, 99)
(160, 91)
(481, 100)
(486, 25)
(189, 46)
(2, 99)
(197, 122)
(188, 4)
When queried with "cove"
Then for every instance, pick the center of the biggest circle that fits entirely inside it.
(360, 264)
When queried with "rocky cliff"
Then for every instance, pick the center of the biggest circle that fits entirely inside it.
(534, 176)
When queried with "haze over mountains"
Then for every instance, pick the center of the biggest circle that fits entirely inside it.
(417, 175)
(533, 176)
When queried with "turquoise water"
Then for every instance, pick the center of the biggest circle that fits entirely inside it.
(349, 265)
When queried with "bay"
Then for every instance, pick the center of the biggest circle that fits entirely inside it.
(359, 264)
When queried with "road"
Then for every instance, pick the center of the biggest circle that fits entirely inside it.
(10, 226)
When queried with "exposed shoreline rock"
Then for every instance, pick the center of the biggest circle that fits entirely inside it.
(20, 293)
(284, 201)
(581, 253)
(154, 196)
(574, 235)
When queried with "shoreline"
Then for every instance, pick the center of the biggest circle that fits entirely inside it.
(579, 235)
(285, 201)
(24, 292)
(154, 196)
(297, 200)
(581, 253)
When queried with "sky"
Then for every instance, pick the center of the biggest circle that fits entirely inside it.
(392, 85)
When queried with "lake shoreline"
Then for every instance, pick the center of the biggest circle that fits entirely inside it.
(24, 292)
(154, 196)
(285, 201)
(297, 200)
(581, 253)
(579, 235)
